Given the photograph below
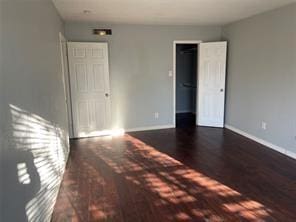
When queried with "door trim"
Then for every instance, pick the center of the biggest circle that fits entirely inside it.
(66, 82)
(197, 42)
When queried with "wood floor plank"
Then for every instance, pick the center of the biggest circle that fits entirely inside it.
(189, 174)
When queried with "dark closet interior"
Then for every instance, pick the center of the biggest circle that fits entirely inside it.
(186, 81)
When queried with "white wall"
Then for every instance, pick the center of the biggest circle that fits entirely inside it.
(140, 59)
(33, 130)
(261, 82)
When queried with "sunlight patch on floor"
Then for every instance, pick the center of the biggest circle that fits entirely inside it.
(174, 183)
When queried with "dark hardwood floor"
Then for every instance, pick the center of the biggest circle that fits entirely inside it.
(187, 174)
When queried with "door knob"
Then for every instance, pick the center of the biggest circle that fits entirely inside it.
(106, 94)
(221, 90)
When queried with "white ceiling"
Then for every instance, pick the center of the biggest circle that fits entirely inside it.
(164, 12)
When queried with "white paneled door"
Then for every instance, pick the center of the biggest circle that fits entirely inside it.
(211, 84)
(90, 91)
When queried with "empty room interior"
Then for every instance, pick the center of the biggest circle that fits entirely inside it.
(137, 110)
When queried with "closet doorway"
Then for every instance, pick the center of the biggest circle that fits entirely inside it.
(186, 82)
(199, 83)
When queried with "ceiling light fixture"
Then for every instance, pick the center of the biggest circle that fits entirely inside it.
(102, 32)
(86, 11)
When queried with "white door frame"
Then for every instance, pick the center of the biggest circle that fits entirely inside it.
(66, 82)
(174, 71)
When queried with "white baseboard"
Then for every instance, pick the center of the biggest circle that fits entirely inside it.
(149, 128)
(263, 142)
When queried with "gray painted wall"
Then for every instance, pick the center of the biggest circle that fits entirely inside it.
(140, 59)
(1, 111)
(261, 84)
(186, 73)
(33, 130)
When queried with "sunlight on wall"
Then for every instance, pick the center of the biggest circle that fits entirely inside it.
(49, 146)
(23, 175)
